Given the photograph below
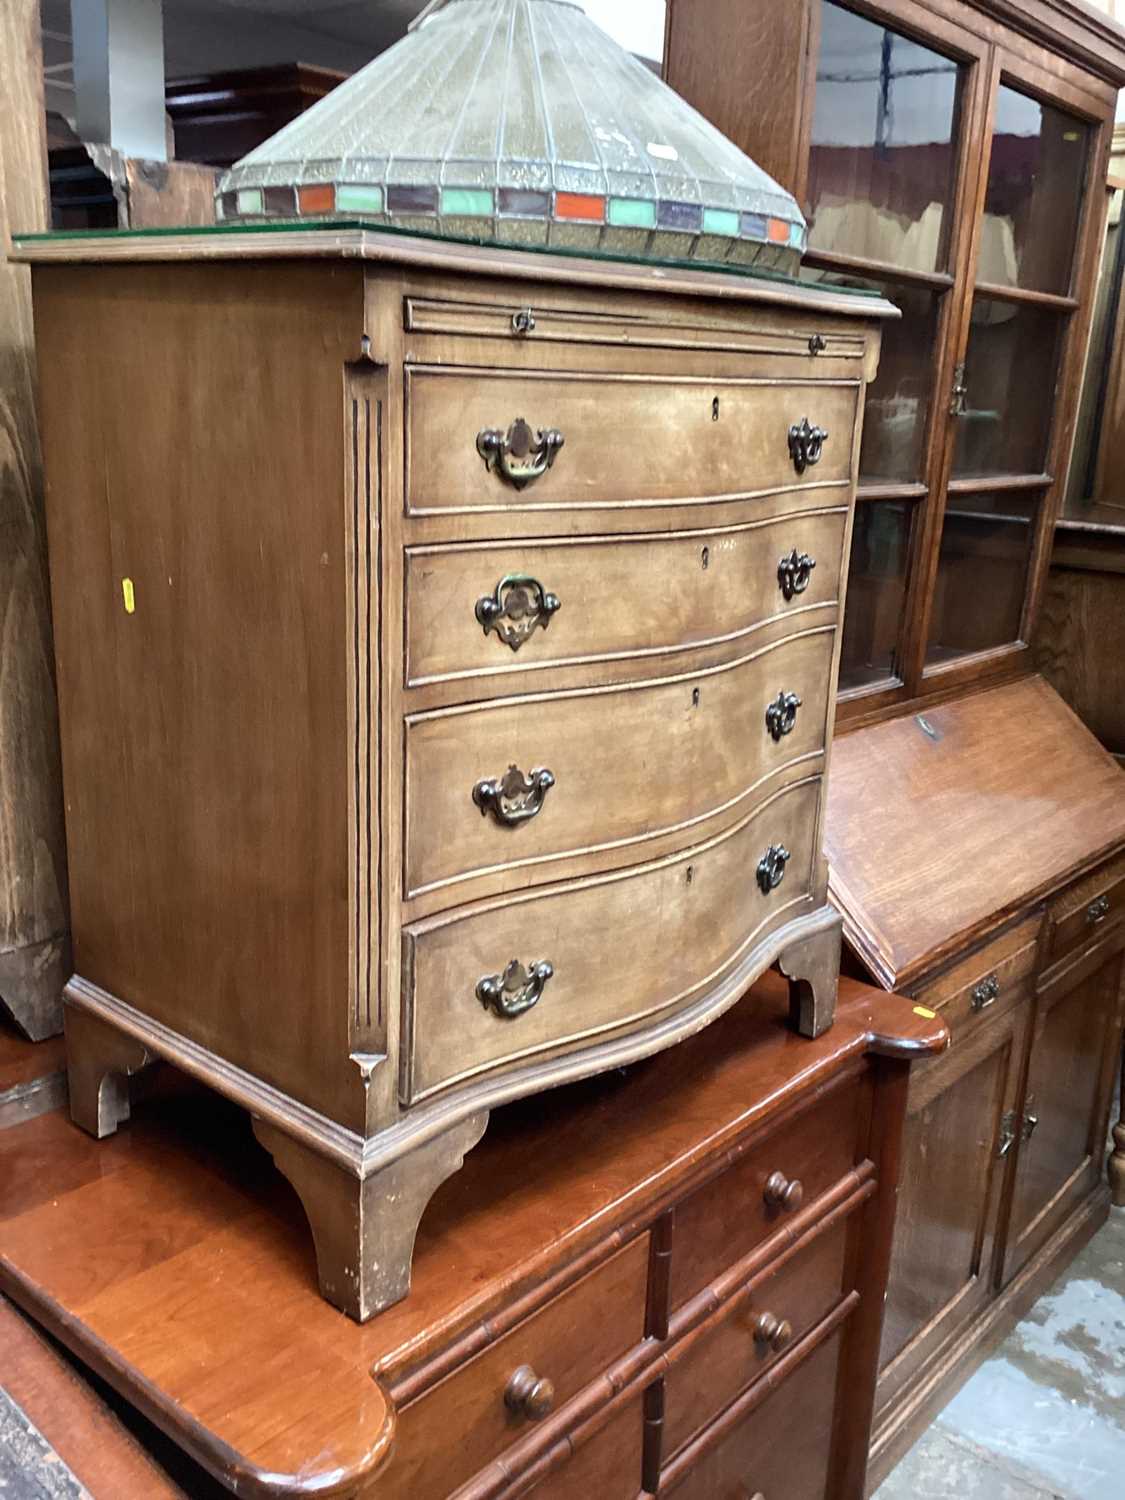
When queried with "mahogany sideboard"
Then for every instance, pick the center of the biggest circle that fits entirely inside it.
(447, 644)
(668, 1279)
(987, 880)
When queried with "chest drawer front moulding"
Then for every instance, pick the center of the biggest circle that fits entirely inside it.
(328, 869)
(644, 596)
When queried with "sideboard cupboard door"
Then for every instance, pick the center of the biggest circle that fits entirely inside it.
(1060, 1131)
(949, 1202)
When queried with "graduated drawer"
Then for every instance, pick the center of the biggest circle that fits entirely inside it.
(623, 948)
(628, 440)
(733, 1213)
(628, 763)
(641, 595)
(459, 1426)
(1080, 914)
(735, 1352)
(988, 982)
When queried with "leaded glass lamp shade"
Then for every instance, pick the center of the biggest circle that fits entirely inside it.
(519, 122)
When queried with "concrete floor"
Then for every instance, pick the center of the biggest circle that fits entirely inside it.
(1044, 1419)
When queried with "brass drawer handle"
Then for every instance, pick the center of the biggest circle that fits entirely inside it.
(516, 991)
(516, 609)
(781, 715)
(986, 993)
(771, 868)
(773, 1332)
(806, 444)
(528, 1396)
(781, 1192)
(793, 573)
(520, 456)
(1097, 911)
(513, 798)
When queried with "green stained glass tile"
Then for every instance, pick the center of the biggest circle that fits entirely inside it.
(720, 221)
(633, 213)
(350, 198)
(249, 201)
(466, 202)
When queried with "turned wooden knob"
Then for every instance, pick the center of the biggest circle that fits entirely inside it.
(528, 1396)
(781, 1193)
(775, 1332)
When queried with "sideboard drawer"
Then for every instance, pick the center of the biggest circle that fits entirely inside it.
(621, 948)
(1082, 912)
(727, 1217)
(605, 1467)
(988, 982)
(637, 595)
(780, 1311)
(467, 1420)
(627, 440)
(780, 1450)
(511, 783)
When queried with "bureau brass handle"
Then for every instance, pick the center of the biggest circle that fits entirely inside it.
(806, 444)
(516, 609)
(781, 1192)
(781, 715)
(516, 991)
(771, 868)
(1097, 911)
(986, 993)
(1031, 1118)
(520, 456)
(773, 1332)
(793, 573)
(528, 1396)
(513, 798)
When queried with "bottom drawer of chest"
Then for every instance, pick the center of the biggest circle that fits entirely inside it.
(778, 1447)
(512, 979)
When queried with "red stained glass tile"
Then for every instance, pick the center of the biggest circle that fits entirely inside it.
(779, 231)
(579, 206)
(317, 198)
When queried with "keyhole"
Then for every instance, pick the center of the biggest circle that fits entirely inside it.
(695, 697)
(689, 874)
(705, 558)
(715, 409)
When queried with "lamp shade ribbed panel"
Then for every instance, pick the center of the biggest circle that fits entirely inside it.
(520, 122)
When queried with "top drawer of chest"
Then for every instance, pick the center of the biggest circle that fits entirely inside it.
(1086, 910)
(480, 440)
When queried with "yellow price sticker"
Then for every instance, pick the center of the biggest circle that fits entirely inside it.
(128, 595)
(925, 1013)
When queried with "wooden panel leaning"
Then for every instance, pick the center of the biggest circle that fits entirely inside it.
(420, 756)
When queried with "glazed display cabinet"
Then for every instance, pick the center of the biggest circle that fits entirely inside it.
(952, 157)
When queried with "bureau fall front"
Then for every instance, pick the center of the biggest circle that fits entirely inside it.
(447, 644)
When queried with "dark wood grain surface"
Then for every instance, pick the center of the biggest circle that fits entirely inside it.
(194, 1290)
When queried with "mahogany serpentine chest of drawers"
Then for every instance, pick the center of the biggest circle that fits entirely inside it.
(446, 648)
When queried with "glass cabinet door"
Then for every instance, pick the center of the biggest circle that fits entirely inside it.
(1005, 398)
(885, 160)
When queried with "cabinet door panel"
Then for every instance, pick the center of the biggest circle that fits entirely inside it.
(950, 1194)
(1061, 1130)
